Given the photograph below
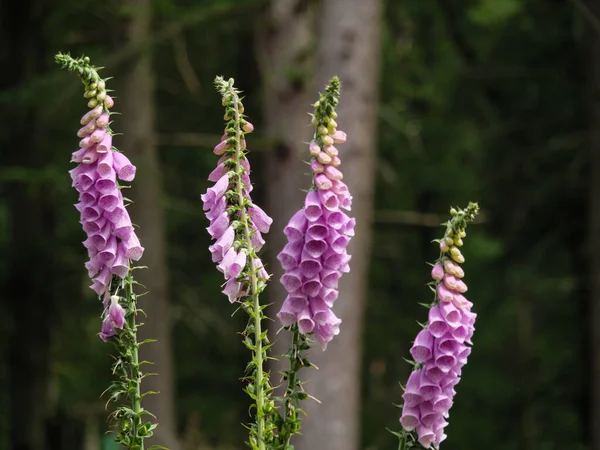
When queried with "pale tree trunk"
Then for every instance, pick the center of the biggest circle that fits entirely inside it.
(594, 236)
(349, 46)
(286, 53)
(136, 103)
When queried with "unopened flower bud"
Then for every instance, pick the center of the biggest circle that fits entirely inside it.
(109, 102)
(458, 242)
(437, 273)
(336, 161)
(322, 182)
(101, 85)
(449, 241)
(457, 255)
(316, 166)
(324, 158)
(314, 149)
(333, 174)
(330, 150)
(248, 127)
(443, 246)
(88, 129)
(220, 148)
(102, 121)
(453, 212)
(101, 96)
(322, 130)
(327, 140)
(339, 137)
(90, 93)
(92, 103)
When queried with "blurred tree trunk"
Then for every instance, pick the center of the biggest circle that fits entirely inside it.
(139, 143)
(30, 296)
(594, 237)
(286, 53)
(349, 46)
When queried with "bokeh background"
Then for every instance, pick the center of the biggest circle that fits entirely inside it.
(444, 102)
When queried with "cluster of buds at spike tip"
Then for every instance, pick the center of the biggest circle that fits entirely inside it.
(441, 348)
(315, 256)
(228, 204)
(111, 240)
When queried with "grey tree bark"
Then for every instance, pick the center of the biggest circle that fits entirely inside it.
(286, 42)
(139, 143)
(349, 46)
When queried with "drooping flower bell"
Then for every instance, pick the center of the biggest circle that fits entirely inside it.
(440, 350)
(315, 256)
(236, 223)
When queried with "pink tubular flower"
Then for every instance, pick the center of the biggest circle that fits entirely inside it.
(111, 240)
(318, 234)
(442, 347)
(222, 205)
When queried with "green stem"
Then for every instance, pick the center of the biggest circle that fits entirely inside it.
(291, 416)
(257, 312)
(136, 402)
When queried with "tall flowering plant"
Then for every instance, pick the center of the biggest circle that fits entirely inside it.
(236, 225)
(441, 348)
(315, 255)
(112, 245)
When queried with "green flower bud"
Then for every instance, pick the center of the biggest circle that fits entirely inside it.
(101, 96)
(453, 212)
(322, 130)
(90, 93)
(92, 103)
(457, 255)
(101, 85)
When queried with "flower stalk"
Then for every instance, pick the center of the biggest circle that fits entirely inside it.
(315, 256)
(112, 245)
(442, 347)
(259, 354)
(236, 224)
(289, 424)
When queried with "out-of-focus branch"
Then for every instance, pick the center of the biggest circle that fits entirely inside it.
(201, 15)
(182, 61)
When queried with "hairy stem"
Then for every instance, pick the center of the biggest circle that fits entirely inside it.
(291, 422)
(136, 401)
(257, 312)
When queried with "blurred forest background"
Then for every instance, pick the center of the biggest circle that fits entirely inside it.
(444, 102)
